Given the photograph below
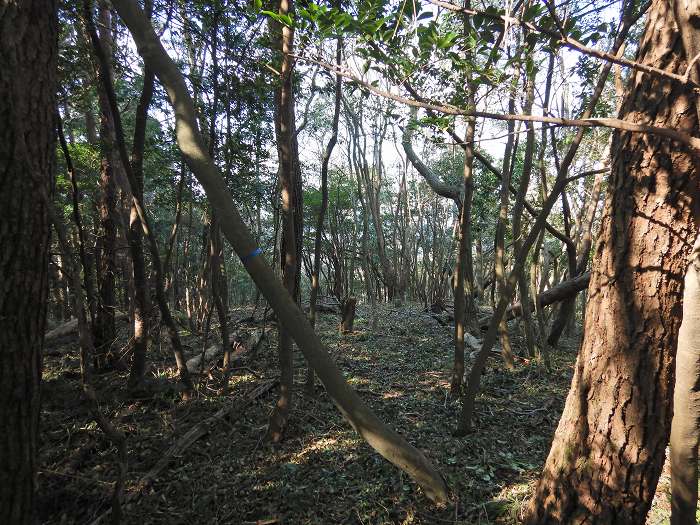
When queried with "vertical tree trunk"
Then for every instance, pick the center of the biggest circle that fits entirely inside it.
(347, 312)
(499, 242)
(27, 134)
(88, 270)
(518, 215)
(216, 255)
(464, 310)
(107, 257)
(135, 234)
(106, 82)
(86, 350)
(324, 206)
(609, 446)
(285, 127)
(685, 429)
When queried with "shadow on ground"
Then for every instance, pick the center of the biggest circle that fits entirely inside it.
(322, 472)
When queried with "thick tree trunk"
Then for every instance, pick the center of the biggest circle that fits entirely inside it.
(609, 447)
(28, 55)
(387, 442)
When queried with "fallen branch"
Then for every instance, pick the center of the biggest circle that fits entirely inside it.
(214, 351)
(70, 328)
(558, 293)
(200, 430)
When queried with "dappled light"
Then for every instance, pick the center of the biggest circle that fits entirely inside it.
(349, 262)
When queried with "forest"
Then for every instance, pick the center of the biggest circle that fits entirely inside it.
(354, 261)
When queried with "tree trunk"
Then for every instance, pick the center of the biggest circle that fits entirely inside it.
(87, 350)
(518, 215)
(465, 310)
(467, 413)
(324, 206)
(135, 234)
(685, 428)
(347, 312)
(28, 55)
(609, 446)
(387, 442)
(555, 294)
(106, 82)
(106, 257)
(285, 127)
(499, 241)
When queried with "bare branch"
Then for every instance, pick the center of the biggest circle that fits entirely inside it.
(693, 143)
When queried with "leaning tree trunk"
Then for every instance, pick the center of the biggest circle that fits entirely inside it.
(609, 447)
(28, 53)
(382, 438)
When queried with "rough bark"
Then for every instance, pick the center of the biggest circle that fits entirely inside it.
(28, 57)
(364, 421)
(577, 262)
(609, 447)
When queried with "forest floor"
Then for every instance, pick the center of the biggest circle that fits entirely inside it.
(322, 472)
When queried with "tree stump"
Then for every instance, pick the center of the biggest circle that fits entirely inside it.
(347, 311)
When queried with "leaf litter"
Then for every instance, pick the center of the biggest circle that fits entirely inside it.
(322, 472)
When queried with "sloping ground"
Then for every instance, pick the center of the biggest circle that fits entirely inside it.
(322, 472)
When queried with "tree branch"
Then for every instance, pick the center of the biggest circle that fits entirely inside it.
(693, 143)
